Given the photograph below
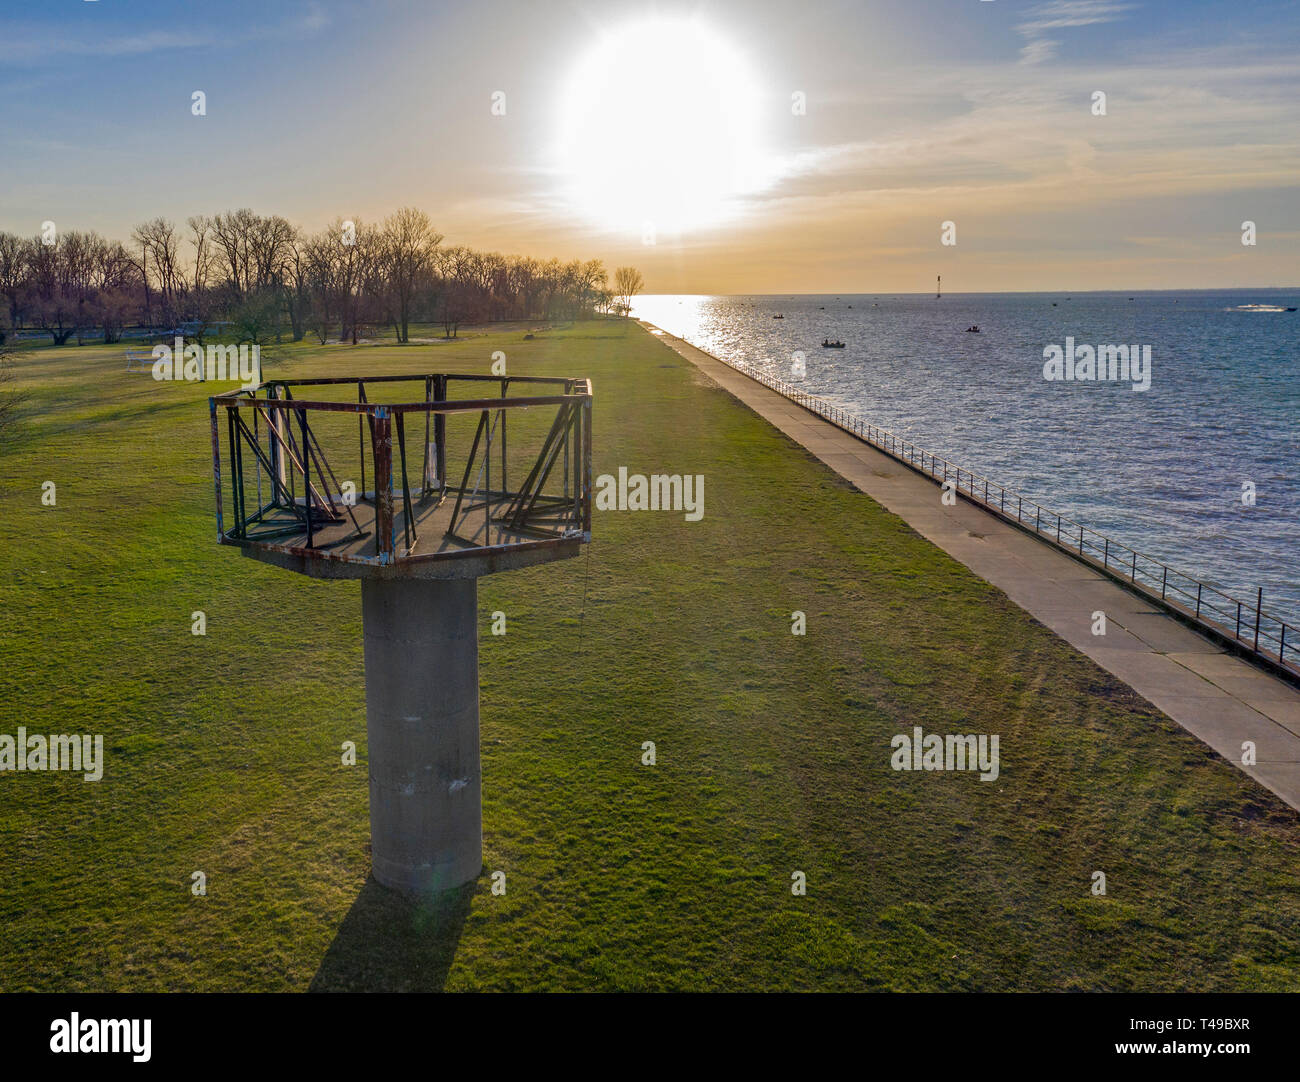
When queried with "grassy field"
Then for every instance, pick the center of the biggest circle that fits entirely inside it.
(223, 752)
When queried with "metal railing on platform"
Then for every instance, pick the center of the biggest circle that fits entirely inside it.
(281, 453)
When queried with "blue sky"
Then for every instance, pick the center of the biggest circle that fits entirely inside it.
(975, 111)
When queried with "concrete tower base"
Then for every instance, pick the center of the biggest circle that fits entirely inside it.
(421, 651)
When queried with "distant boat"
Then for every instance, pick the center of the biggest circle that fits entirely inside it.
(974, 328)
(828, 344)
(778, 316)
(1290, 309)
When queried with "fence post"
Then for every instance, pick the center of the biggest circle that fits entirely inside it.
(382, 456)
(1259, 611)
(1164, 580)
(1199, 585)
(306, 473)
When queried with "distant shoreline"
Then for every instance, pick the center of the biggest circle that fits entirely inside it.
(1004, 293)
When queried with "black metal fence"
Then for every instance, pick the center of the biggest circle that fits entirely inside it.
(1245, 624)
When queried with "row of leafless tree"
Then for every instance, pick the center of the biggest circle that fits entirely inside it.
(255, 278)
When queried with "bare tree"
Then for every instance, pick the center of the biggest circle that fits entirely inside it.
(256, 270)
(407, 243)
(160, 263)
(627, 284)
(13, 276)
(298, 283)
(201, 239)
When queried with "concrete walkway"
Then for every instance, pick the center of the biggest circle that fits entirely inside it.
(1214, 695)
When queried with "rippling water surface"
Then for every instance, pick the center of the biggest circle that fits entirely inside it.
(1161, 470)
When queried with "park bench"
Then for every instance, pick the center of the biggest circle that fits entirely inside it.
(143, 358)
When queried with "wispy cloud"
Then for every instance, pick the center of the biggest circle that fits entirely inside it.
(1055, 15)
(31, 44)
(1204, 123)
(34, 45)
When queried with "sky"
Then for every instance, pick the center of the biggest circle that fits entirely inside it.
(720, 147)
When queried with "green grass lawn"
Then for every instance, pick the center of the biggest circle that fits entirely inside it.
(223, 752)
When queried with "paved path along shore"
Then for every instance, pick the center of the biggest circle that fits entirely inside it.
(1213, 694)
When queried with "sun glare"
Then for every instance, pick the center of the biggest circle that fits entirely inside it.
(660, 129)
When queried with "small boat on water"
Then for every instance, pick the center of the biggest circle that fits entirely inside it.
(778, 316)
(974, 328)
(828, 344)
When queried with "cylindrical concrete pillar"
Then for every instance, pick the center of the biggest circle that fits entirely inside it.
(421, 650)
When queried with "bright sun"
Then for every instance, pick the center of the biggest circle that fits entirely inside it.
(660, 129)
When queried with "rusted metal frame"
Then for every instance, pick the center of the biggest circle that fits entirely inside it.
(532, 530)
(259, 455)
(451, 405)
(335, 516)
(476, 377)
(408, 517)
(361, 436)
(383, 457)
(277, 482)
(424, 458)
(216, 464)
(440, 436)
(306, 474)
(309, 439)
(257, 441)
(322, 460)
(486, 474)
(292, 446)
(548, 525)
(286, 447)
(579, 420)
(290, 449)
(495, 497)
(586, 464)
(521, 515)
(415, 377)
(234, 474)
(244, 518)
(570, 437)
(469, 465)
(262, 537)
(370, 421)
(470, 552)
(514, 513)
(505, 393)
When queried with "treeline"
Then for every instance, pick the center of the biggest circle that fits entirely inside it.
(255, 278)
